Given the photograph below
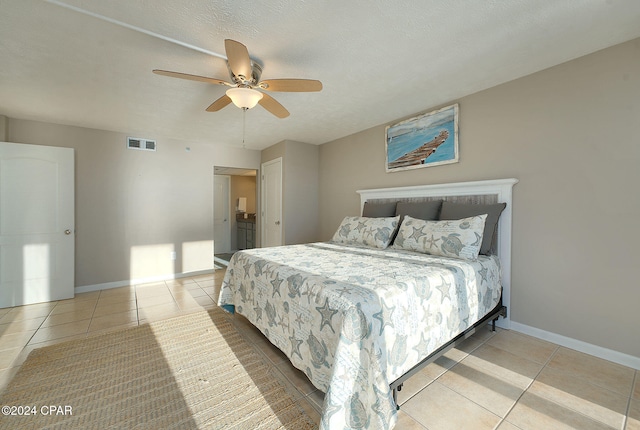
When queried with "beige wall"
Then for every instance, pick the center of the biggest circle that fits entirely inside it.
(571, 135)
(300, 189)
(301, 192)
(241, 186)
(3, 128)
(133, 208)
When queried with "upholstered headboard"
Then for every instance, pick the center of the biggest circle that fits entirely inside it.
(478, 192)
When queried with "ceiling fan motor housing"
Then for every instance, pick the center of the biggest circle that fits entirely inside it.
(256, 72)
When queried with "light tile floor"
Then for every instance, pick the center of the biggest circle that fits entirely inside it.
(503, 379)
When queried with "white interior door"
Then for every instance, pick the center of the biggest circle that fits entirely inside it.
(36, 224)
(272, 203)
(221, 214)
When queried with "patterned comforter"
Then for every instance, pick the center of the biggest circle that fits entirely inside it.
(354, 319)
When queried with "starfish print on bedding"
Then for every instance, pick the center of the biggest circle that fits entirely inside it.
(277, 320)
(326, 313)
(432, 242)
(446, 223)
(299, 319)
(483, 273)
(268, 270)
(346, 378)
(276, 286)
(422, 348)
(368, 232)
(405, 313)
(388, 311)
(445, 290)
(246, 268)
(295, 345)
(417, 233)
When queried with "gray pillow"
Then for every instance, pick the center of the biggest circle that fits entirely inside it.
(427, 211)
(379, 210)
(452, 210)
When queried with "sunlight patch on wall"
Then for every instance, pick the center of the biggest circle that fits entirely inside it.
(197, 255)
(150, 261)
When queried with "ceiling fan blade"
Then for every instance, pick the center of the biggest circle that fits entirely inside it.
(291, 85)
(219, 104)
(238, 58)
(270, 104)
(191, 77)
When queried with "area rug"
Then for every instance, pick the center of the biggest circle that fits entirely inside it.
(190, 372)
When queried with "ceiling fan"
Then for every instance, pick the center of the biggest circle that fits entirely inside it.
(245, 82)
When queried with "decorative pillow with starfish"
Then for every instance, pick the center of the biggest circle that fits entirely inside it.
(452, 238)
(373, 232)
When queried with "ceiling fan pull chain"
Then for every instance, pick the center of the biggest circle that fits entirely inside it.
(244, 123)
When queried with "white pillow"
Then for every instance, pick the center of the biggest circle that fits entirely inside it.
(374, 232)
(452, 238)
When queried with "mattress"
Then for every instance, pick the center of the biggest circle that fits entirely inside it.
(354, 318)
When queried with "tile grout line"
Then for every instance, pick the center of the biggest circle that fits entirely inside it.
(40, 326)
(500, 419)
(449, 369)
(553, 354)
(29, 339)
(628, 411)
(135, 288)
(558, 348)
(92, 314)
(51, 314)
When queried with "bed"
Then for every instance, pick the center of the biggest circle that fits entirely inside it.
(363, 312)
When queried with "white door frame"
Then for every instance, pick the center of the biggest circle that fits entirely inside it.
(226, 234)
(265, 206)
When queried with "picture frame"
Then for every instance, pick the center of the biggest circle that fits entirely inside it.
(427, 140)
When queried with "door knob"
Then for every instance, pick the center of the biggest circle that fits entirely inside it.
(277, 222)
(67, 231)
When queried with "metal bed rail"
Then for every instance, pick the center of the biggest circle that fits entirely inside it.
(497, 312)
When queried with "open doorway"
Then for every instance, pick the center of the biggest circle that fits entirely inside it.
(239, 205)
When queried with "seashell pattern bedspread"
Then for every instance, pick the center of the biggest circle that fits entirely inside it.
(354, 319)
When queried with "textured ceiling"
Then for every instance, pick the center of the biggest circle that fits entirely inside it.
(379, 60)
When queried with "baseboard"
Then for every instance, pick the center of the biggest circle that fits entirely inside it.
(126, 283)
(578, 345)
(220, 261)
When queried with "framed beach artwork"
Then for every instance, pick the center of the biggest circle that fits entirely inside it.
(427, 140)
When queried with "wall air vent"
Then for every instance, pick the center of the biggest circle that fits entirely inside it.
(141, 144)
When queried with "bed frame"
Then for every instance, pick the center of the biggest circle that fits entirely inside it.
(492, 191)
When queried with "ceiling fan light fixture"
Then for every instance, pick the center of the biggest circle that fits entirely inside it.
(244, 98)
